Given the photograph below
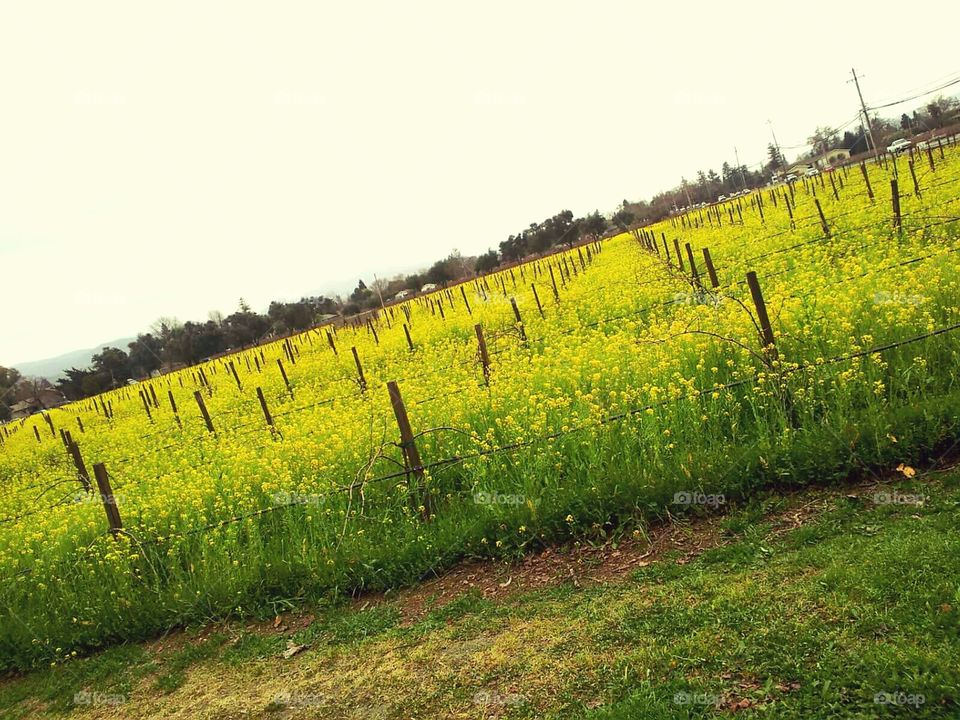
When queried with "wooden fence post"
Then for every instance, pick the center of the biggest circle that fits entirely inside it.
(895, 197)
(406, 331)
(203, 410)
(516, 315)
(711, 271)
(409, 446)
(263, 406)
(536, 297)
(332, 344)
(465, 301)
(233, 371)
(108, 499)
(916, 185)
(866, 179)
(173, 406)
(484, 357)
(360, 378)
(553, 281)
(786, 201)
(286, 380)
(823, 220)
(78, 463)
(766, 330)
(80, 424)
(146, 405)
(693, 266)
(676, 246)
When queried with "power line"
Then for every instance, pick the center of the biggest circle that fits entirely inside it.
(919, 95)
(917, 91)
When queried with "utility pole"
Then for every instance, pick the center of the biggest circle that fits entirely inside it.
(777, 146)
(870, 135)
(686, 192)
(739, 168)
(376, 285)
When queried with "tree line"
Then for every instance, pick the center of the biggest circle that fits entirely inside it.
(171, 344)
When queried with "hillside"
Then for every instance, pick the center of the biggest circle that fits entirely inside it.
(51, 368)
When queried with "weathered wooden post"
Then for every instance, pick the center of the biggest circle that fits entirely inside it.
(895, 197)
(263, 406)
(78, 463)
(516, 315)
(767, 339)
(360, 378)
(823, 220)
(286, 380)
(484, 357)
(409, 447)
(203, 410)
(108, 499)
(711, 271)
(536, 297)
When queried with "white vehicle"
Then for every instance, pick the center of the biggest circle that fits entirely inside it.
(811, 172)
(898, 146)
(791, 178)
(402, 294)
(721, 198)
(429, 287)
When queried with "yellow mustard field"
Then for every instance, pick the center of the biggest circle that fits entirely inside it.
(636, 388)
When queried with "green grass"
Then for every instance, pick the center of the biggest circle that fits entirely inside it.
(817, 621)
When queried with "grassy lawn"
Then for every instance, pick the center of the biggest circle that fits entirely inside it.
(849, 610)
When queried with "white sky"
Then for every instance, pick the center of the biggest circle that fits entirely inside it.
(169, 158)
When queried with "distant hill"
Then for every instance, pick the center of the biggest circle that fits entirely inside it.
(52, 368)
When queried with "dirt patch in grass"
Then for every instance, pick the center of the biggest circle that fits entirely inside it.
(681, 541)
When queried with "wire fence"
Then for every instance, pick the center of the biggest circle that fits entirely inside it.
(446, 462)
(257, 424)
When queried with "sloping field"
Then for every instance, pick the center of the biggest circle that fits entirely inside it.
(635, 389)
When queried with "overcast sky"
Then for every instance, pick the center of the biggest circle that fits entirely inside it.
(169, 158)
